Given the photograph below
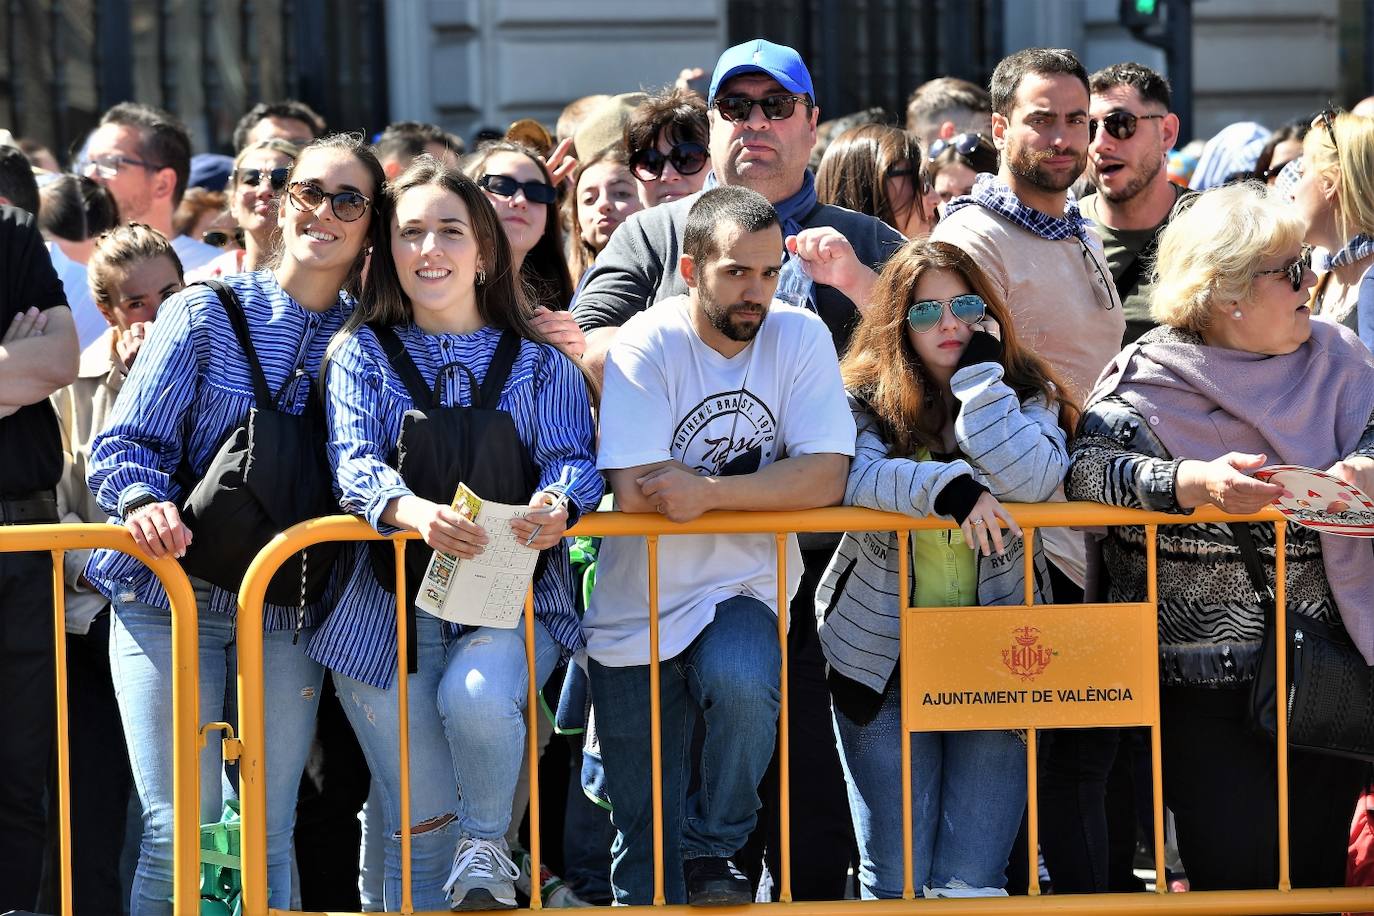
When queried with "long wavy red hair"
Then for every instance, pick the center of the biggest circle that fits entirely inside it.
(881, 366)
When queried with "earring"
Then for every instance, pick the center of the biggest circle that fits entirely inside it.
(1236, 313)
(481, 277)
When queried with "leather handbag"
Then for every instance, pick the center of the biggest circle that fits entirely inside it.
(1330, 689)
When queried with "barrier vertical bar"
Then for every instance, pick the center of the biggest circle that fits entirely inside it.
(403, 719)
(1028, 571)
(64, 784)
(1281, 690)
(1032, 816)
(532, 751)
(784, 733)
(186, 737)
(904, 601)
(655, 721)
(1156, 747)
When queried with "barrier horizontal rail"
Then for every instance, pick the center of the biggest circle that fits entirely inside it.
(56, 540)
(1282, 899)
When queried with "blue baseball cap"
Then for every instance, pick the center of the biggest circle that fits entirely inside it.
(760, 56)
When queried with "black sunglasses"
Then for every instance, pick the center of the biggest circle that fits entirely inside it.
(910, 171)
(1295, 269)
(1327, 118)
(221, 239)
(536, 192)
(1273, 171)
(687, 158)
(1120, 125)
(925, 314)
(276, 178)
(964, 145)
(347, 205)
(774, 107)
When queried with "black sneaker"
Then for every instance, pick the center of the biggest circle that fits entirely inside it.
(715, 881)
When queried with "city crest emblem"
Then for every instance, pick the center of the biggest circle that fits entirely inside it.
(1024, 658)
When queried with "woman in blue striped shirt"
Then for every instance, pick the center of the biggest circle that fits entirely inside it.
(444, 283)
(189, 388)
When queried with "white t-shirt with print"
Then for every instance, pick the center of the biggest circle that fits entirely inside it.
(668, 395)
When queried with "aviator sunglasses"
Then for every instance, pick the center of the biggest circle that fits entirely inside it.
(964, 145)
(774, 107)
(925, 314)
(1295, 269)
(536, 192)
(1120, 125)
(347, 205)
(688, 158)
(275, 178)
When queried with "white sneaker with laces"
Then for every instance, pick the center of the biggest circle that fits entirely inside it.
(483, 876)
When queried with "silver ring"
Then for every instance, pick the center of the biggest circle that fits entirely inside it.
(977, 521)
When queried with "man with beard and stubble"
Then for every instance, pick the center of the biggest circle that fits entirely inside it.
(1023, 229)
(722, 398)
(1132, 131)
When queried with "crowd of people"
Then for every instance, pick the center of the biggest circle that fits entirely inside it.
(674, 304)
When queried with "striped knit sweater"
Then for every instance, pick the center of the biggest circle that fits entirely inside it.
(1017, 450)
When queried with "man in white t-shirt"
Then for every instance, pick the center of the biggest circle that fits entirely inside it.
(721, 399)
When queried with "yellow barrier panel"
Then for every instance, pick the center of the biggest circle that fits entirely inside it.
(57, 539)
(1075, 690)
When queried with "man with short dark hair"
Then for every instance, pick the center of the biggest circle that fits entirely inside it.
(143, 155)
(1021, 227)
(1132, 132)
(289, 120)
(18, 187)
(721, 398)
(946, 106)
(38, 355)
(403, 141)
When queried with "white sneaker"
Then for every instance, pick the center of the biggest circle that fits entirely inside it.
(483, 876)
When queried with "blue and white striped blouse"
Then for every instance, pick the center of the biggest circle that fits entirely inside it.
(365, 402)
(189, 387)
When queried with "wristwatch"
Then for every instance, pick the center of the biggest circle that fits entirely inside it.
(145, 500)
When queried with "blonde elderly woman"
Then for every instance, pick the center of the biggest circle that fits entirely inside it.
(1238, 376)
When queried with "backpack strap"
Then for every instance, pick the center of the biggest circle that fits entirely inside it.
(239, 322)
(502, 361)
(405, 366)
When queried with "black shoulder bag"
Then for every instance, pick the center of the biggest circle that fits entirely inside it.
(441, 447)
(1330, 688)
(270, 472)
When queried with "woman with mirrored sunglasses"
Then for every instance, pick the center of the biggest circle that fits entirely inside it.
(256, 187)
(877, 169)
(189, 388)
(1336, 197)
(517, 182)
(667, 141)
(954, 416)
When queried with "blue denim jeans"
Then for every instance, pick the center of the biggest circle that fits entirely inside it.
(727, 677)
(482, 701)
(140, 667)
(968, 791)
(375, 717)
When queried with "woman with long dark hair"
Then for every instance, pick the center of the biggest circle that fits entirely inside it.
(443, 290)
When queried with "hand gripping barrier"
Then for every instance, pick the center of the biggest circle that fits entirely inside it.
(56, 540)
(940, 648)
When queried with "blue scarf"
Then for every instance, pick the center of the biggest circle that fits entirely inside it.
(992, 194)
(1360, 246)
(795, 286)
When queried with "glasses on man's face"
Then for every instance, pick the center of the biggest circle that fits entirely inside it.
(687, 158)
(275, 178)
(964, 145)
(1120, 125)
(107, 167)
(347, 205)
(224, 239)
(774, 107)
(1295, 269)
(536, 192)
(924, 314)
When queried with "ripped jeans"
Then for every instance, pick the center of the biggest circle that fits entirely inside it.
(141, 666)
(375, 718)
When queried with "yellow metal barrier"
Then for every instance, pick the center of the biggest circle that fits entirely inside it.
(1133, 631)
(57, 540)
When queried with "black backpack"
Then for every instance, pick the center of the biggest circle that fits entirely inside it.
(269, 473)
(440, 447)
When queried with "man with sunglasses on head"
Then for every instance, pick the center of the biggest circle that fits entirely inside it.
(1024, 229)
(1132, 132)
(762, 117)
